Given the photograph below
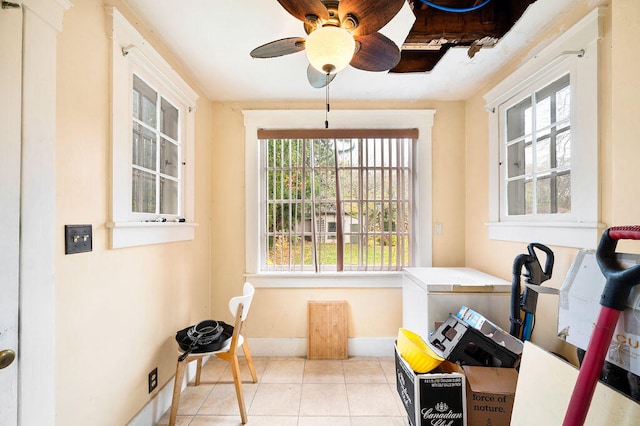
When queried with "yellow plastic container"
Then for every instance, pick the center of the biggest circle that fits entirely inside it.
(420, 357)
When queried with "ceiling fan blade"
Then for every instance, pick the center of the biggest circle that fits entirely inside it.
(371, 14)
(318, 79)
(376, 53)
(280, 47)
(302, 8)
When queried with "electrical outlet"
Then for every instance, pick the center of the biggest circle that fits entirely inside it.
(153, 379)
(77, 239)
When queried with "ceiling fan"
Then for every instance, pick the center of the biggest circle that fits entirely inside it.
(339, 33)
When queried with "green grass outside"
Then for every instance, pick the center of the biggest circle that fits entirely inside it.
(327, 253)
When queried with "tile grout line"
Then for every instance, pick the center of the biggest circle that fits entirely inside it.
(346, 390)
(311, 375)
(304, 365)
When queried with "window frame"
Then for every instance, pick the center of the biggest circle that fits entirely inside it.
(574, 52)
(343, 119)
(367, 142)
(160, 138)
(132, 54)
(550, 78)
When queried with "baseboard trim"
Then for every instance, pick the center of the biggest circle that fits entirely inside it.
(360, 346)
(153, 411)
(296, 347)
(372, 346)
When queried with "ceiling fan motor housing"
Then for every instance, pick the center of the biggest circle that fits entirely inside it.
(330, 49)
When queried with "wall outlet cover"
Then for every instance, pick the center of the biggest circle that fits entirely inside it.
(153, 379)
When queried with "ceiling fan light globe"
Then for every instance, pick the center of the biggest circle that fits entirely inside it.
(330, 49)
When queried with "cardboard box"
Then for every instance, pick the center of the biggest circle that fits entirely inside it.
(579, 307)
(545, 386)
(435, 398)
(490, 395)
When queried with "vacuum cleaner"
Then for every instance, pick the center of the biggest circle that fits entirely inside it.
(524, 302)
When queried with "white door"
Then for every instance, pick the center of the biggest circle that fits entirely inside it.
(10, 137)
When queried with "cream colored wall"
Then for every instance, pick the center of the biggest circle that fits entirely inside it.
(282, 312)
(619, 150)
(622, 168)
(116, 310)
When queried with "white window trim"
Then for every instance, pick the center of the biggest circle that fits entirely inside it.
(130, 52)
(343, 119)
(578, 48)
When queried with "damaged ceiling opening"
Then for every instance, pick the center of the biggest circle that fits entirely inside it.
(436, 30)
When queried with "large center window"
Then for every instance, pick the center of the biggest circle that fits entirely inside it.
(336, 204)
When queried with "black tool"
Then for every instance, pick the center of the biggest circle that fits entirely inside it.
(527, 301)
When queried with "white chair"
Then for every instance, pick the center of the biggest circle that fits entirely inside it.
(239, 307)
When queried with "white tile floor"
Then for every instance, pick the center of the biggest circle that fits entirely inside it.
(360, 391)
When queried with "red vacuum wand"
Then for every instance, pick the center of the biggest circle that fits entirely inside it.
(618, 286)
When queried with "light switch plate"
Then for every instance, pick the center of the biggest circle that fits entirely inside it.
(77, 239)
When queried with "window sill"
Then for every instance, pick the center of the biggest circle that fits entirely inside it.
(375, 279)
(578, 235)
(131, 234)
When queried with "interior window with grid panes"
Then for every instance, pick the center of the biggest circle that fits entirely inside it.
(538, 152)
(156, 152)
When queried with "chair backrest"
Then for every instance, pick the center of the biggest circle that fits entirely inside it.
(245, 299)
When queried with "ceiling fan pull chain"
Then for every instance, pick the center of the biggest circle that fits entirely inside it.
(326, 113)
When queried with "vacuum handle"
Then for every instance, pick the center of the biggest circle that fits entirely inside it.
(536, 274)
(625, 232)
(619, 280)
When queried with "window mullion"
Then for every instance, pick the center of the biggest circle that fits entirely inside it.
(376, 202)
(281, 201)
(552, 154)
(301, 150)
(274, 198)
(384, 213)
(158, 149)
(339, 236)
(368, 200)
(383, 206)
(391, 209)
(290, 201)
(361, 204)
(407, 188)
(534, 155)
(399, 205)
(312, 166)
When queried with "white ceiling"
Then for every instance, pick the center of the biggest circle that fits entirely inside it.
(213, 38)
